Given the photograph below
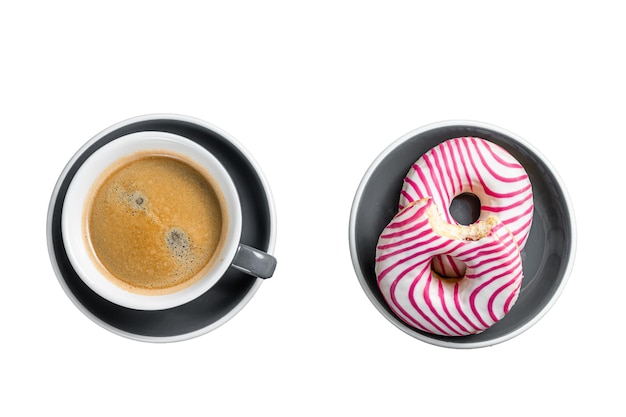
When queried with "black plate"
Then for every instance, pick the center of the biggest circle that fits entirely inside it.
(548, 254)
(226, 297)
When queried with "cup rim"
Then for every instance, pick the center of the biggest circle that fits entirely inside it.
(353, 243)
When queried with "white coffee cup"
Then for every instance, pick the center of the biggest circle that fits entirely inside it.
(232, 253)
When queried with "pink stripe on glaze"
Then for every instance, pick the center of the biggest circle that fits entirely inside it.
(497, 157)
(450, 317)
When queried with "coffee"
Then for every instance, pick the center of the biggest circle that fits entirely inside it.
(155, 222)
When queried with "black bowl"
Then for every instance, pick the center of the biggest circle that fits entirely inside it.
(548, 255)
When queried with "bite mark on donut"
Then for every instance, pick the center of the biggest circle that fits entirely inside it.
(474, 231)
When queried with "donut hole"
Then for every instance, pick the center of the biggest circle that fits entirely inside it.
(447, 273)
(465, 208)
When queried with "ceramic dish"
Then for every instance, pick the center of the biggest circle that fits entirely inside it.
(228, 296)
(548, 255)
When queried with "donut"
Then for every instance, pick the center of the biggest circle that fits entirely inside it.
(447, 306)
(477, 166)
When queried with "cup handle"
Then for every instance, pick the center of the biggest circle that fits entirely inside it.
(254, 262)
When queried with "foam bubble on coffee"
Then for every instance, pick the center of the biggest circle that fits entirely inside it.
(137, 200)
(180, 246)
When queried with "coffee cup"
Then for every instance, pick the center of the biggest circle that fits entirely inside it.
(152, 220)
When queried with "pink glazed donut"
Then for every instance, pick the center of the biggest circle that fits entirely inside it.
(477, 166)
(447, 306)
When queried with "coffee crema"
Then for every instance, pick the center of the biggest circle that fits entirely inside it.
(155, 222)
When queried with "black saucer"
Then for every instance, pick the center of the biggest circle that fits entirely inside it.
(223, 300)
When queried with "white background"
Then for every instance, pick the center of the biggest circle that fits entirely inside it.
(314, 91)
